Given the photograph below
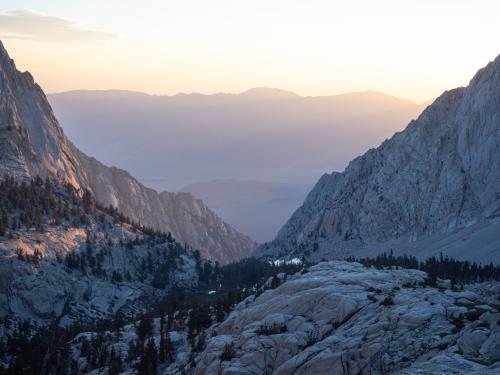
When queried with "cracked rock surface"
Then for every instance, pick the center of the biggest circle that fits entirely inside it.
(343, 318)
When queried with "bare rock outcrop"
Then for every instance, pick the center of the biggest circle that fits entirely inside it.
(343, 318)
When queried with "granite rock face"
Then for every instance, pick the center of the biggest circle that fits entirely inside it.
(37, 282)
(438, 176)
(343, 318)
(32, 143)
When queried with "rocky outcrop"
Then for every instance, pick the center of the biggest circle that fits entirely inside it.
(122, 271)
(33, 143)
(438, 176)
(343, 318)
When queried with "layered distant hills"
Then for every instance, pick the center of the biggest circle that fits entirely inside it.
(262, 134)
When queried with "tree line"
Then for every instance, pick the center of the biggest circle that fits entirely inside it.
(443, 266)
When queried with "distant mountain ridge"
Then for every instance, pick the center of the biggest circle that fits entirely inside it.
(252, 93)
(33, 143)
(262, 134)
(268, 93)
(435, 185)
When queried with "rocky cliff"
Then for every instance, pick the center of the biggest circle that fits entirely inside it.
(438, 177)
(33, 143)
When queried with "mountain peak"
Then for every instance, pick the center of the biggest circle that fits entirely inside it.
(10, 78)
(7, 67)
(491, 70)
(268, 93)
(4, 56)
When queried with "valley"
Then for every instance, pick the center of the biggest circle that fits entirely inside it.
(391, 266)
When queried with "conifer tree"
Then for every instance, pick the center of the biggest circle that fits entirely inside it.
(2, 226)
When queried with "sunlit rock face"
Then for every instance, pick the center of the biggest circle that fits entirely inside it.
(438, 177)
(343, 318)
(33, 143)
(47, 290)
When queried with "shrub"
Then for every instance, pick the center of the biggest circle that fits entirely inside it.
(387, 301)
(473, 315)
(272, 329)
(458, 323)
(227, 353)
(312, 339)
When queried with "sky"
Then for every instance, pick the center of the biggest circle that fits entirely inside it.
(414, 49)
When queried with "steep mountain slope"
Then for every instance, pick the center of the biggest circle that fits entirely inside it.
(33, 143)
(263, 134)
(438, 177)
(258, 208)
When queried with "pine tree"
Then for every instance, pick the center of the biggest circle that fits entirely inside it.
(144, 330)
(161, 353)
(168, 348)
(149, 359)
(115, 363)
(219, 310)
(2, 226)
(48, 186)
(88, 201)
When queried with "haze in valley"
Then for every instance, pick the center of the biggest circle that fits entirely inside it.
(252, 157)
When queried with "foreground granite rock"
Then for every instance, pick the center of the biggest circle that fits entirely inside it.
(343, 318)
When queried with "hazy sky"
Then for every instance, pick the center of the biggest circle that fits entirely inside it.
(408, 48)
